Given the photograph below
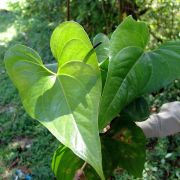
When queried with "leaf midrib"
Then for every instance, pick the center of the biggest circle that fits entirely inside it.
(122, 83)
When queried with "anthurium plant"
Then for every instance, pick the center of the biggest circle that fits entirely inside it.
(90, 88)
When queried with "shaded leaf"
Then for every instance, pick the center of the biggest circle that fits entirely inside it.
(165, 65)
(52, 67)
(102, 50)
(123, 146)
(126, 143)
(138, 110)
(132, 73)
(65, 165)
(104, 70)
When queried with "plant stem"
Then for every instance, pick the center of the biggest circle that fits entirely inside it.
(83, 166)
(68, 10)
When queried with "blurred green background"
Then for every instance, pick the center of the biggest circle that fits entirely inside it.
(24, 143)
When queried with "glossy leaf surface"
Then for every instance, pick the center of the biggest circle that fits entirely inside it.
(65, 165)
(124, 146)
(102, 50)
(66, 103)
(129, 33)
(69, 42)
(133, 73)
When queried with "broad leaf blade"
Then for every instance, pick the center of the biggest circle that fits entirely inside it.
(133, 73)
(129, 142)
(119, 84)
(102, 50)
(65, 103)
(129, 33)
(70, 42)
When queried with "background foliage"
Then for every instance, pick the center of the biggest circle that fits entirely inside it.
(24, 143)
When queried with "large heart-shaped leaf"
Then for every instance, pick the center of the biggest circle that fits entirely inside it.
(133, 73)
(66, 102)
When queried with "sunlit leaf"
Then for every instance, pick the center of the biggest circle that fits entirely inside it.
(66, 103)
(70, 42)
(129, 33)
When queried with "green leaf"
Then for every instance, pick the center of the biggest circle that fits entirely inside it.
(124, 146)
(65, 165)
(126, 143)
(104, 70)
(133, 73)
(102, 50)
(70, 42)
(138, 110)
(129, 33)
(66, 103)
(165, 65)
(52, 67)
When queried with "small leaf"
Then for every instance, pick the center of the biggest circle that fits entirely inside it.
(102, 50)
(129, 33)
(70, 42)
(66, 103)
(65, 165)
(138, 110)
